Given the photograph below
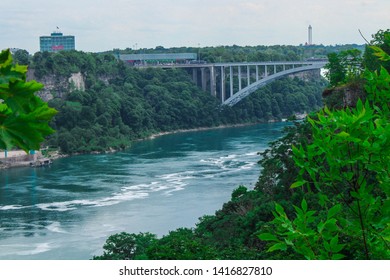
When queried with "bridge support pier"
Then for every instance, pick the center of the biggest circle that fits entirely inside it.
(239, 78)
(203, 78)
(213, 82)
(231, 81)
(195, 75)
(223, 87)
(248, 75)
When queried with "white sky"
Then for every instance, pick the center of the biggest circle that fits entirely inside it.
(101, 25)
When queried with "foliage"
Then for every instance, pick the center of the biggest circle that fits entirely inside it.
(21, 57)
(125, 246)
(279, 169)
(120, 103)
(24, 117)
(181, 244)
(347, 165)
(306, 234)
(237, 53)
(379, 40)
(344, 66)
(338, 168)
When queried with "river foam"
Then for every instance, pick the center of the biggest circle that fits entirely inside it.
(68, 210)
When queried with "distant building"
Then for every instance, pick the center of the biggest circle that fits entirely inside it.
(310, 35)
(56, 42)
(158, 58)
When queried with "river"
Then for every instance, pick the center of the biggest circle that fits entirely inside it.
(67, 210)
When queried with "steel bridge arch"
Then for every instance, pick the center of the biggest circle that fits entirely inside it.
(237, 97)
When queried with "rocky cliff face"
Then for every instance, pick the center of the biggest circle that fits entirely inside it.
(77, 81)
(57, 86)
(344, 96)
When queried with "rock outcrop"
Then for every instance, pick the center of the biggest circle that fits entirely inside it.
(344, 96)
(58, 86)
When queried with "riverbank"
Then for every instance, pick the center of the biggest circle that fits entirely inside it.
(154, 135)
(68, 211)
(19, 158)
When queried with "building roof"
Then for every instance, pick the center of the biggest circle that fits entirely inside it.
(158, 56)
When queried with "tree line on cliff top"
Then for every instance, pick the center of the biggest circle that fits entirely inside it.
(120, 103)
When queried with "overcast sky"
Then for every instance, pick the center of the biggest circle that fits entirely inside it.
(101, 25)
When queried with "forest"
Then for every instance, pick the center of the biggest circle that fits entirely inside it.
(323, 192)
(249, 53)
(120, 104)
(323, 189)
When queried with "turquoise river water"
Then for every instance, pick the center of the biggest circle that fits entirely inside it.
(67, 210)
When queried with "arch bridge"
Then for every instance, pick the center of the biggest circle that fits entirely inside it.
(232, 82)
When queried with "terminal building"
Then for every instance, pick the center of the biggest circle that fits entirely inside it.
(56, 42)
(158, 58)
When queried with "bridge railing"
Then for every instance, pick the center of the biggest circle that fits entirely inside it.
(233, 64)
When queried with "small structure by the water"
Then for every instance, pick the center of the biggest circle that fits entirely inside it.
(300, 116)
(41, 162)
(19, 158)
(296, 117)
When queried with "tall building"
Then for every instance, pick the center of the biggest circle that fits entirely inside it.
(56, 42)
(310, 41)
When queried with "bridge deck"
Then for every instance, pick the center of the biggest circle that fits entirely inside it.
(233, 64)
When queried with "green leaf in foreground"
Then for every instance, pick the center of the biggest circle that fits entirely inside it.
(24, 117)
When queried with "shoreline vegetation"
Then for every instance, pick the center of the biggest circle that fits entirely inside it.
(155, 135)
(19, 158)
(118, 103)
(323, 189)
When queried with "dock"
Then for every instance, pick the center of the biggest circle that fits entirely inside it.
(42, 162)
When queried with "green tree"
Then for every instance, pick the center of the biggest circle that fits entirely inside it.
(24, 117)
(346, 165)
(21, 57)
(343, 66)
(380, 39)
(181, 244)
(126, 246)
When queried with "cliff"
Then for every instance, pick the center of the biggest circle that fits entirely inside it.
(344, 96)
(58, 86)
